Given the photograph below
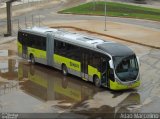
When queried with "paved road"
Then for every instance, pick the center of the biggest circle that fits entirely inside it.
(49, 14)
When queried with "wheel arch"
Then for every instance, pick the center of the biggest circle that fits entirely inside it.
(31, 54)
(63, 64)
(94, 76)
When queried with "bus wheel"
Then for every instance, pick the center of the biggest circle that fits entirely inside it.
(97, 81)
(32, 59)
(64, 70)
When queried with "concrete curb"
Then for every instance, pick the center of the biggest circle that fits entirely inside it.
(6, 40)
(115, 37)
(158, 21)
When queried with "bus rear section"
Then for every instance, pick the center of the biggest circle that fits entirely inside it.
(32, 47)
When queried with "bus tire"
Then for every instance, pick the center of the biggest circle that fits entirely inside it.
(32, 59)
(97, 81)
(64, 70)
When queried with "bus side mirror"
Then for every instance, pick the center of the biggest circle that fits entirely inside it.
(138, 61)
(111, 64)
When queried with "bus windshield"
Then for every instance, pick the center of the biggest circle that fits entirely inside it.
(126, 68)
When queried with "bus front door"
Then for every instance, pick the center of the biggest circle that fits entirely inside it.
(104, 70)
(84, 66)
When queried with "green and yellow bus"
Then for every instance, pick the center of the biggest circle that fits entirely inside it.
(105, 63)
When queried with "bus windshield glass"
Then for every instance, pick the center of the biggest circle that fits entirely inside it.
(126, 68)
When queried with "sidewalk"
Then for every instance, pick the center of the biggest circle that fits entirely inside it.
(126, 32)
(19, 9)
(19, 2)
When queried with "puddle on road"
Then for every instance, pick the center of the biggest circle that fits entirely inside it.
(49, 84)
(6, 53)
(3, 53)
(9, 69)
(42, 85)
(112, 112)
(127, 105)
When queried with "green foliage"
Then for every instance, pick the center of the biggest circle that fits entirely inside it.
(115, 9)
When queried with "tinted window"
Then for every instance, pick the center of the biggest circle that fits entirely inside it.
(36, 41)
(95, 59)
(20, 37)
(31, 40)
(24, 39)
(67, 50)
(98, 60)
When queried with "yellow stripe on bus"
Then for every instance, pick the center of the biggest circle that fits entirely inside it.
(118, 86)
(19, 48)
(93, 71)
(37, 53)
(72, 64)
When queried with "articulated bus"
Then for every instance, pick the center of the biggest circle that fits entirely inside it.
(105, 63)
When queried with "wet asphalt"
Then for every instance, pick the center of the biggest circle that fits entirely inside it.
(26, 88)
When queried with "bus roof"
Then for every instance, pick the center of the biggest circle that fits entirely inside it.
(110, 47)
(115, 49)
(40, 30)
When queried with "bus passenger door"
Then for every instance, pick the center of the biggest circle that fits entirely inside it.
(84, 66)
(24, 47)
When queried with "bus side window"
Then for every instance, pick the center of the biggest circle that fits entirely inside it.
(96, 61)
(41, 42)
(59, 47)
(72, 52)
(90, 58)
(33, 41)
(29, 40)
(38, 42)
(67, 50)
(56, 46)
(43, 45)
(62, 48)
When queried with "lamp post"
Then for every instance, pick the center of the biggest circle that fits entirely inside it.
(94, 5)
(9, 16)
(105, 14)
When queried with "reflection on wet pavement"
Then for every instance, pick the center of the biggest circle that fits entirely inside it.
(6, 53)
(43, 89)
(50, 84)
(8, 72)
(8, 69)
